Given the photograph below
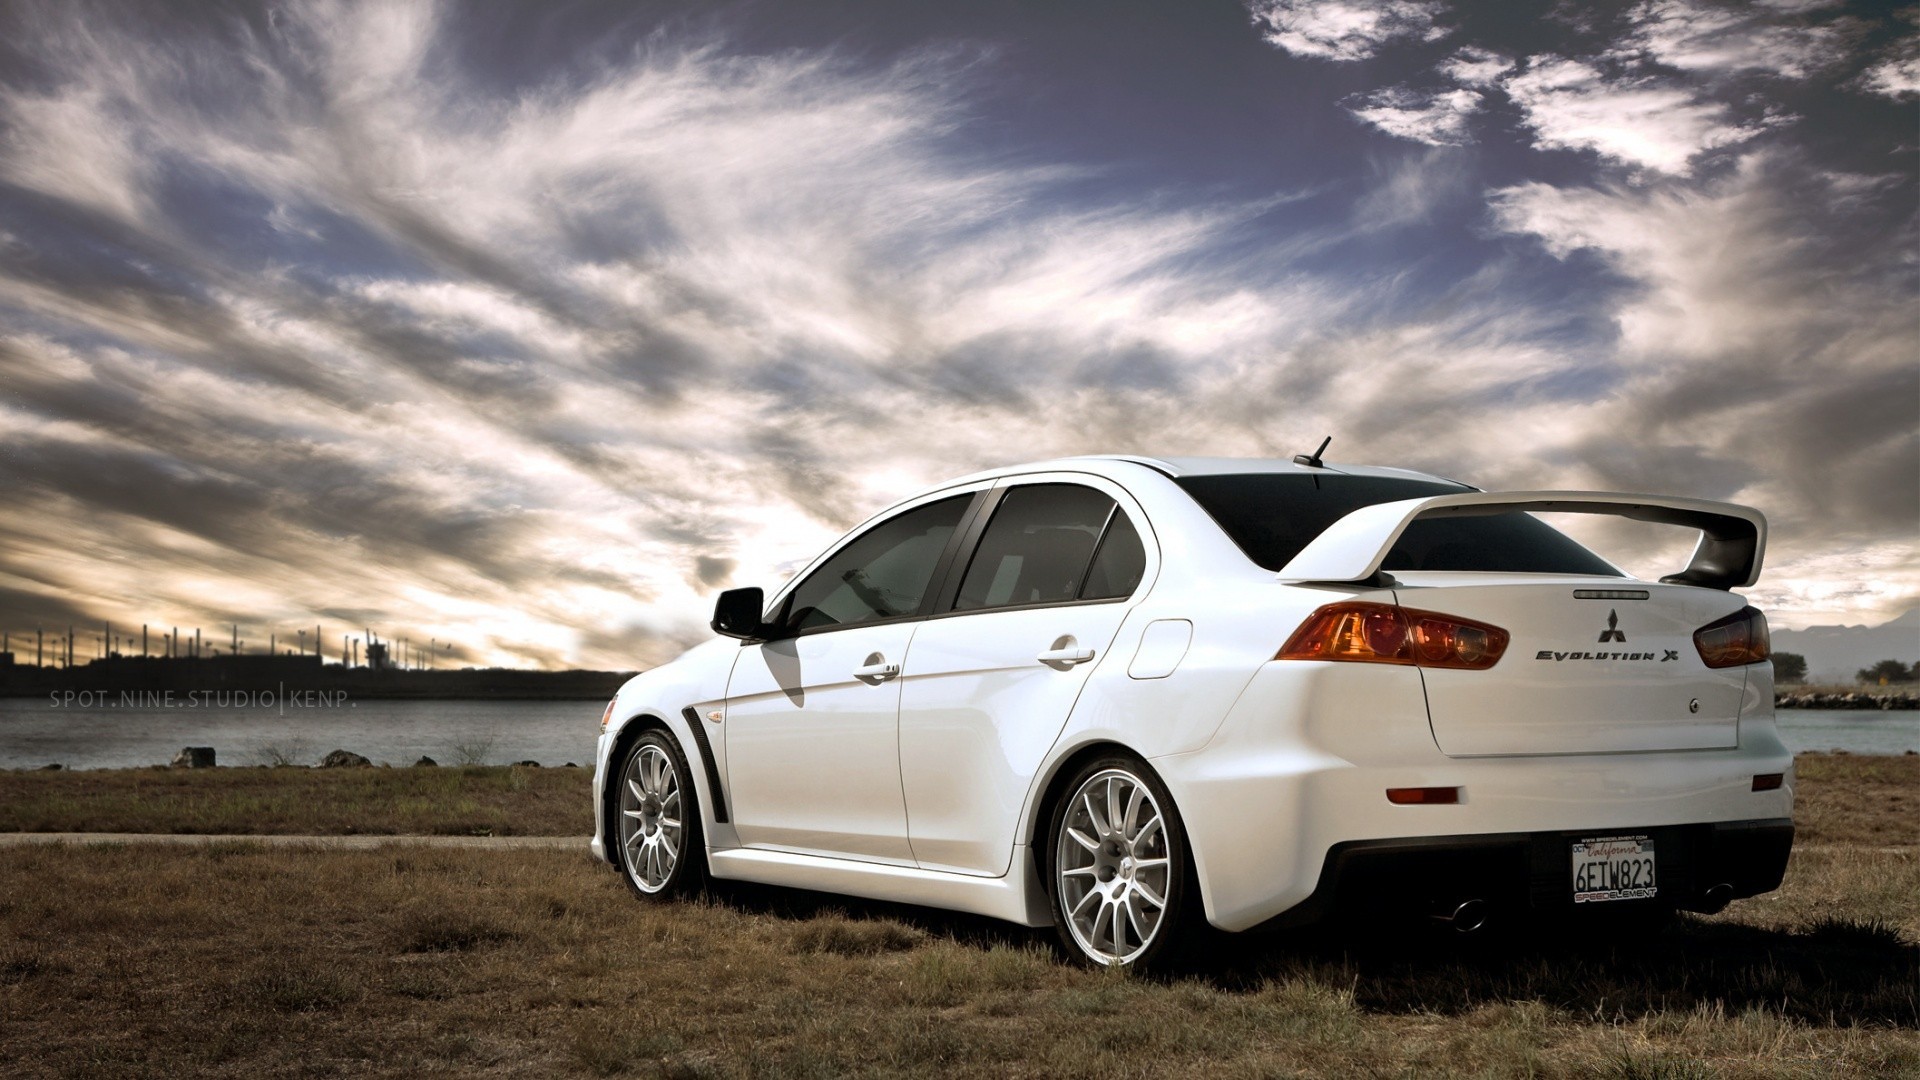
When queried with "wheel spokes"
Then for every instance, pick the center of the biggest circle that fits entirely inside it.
(1113, 870)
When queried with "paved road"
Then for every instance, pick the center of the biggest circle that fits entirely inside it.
(564, 843)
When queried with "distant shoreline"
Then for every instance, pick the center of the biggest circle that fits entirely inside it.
(156, 682)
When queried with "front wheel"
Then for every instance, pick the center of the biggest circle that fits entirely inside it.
(658, 822)
(1117, 865)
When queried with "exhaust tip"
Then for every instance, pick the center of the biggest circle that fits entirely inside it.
(1714, 900)
(1466, 917)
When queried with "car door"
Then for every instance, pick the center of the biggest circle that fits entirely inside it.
(811, 720)
(991, 678)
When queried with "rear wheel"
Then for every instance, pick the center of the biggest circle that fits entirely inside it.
(1117, 865)
(657, 821)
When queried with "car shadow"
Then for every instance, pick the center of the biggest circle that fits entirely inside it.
(1837, 972)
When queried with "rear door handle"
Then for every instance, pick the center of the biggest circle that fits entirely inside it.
(876, 670)
(1065, 657)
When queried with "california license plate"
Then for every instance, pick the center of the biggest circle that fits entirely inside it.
(1613, 868)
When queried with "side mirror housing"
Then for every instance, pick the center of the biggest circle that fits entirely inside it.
(736, 613)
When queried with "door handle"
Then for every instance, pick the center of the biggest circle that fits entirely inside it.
(876, 670)
(1065, 658)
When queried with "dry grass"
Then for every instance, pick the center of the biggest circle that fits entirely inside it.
(449, 801)
(1871, 801)
(243, 961)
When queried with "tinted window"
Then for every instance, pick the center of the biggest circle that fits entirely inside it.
(1273, 515)
(882, 574)
(1037, 547)
(1119, 564)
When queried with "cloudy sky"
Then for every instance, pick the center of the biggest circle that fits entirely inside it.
(530, 326)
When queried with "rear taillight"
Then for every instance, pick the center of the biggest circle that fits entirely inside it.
(1740, 638)
(1385, 634)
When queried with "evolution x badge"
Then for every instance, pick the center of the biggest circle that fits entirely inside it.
(1611, 633)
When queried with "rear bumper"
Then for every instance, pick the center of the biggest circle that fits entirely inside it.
(1533, 871)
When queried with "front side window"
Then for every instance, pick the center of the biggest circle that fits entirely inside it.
(1040, 546)
(882, 574)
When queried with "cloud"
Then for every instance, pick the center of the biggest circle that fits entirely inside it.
(1473, 66)
(1437, 118)
(1897, 77)
(1763, 348)
(1640, 122)
(308, 318)
(1716, 40)
(1344, 29)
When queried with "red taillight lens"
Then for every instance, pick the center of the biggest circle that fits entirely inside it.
(1385, 634)
(1740, 638)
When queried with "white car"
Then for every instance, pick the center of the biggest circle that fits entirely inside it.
(1116, 694)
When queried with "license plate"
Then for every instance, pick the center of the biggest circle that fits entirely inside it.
(1613, 868)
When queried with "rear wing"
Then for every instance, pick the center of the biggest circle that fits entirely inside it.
(1732, 537)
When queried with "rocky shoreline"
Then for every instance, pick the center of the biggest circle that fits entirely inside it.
(1851, 699)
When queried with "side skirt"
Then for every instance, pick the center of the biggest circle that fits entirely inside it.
(1018, 900)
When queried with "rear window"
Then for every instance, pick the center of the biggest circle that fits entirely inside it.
(1273, 515)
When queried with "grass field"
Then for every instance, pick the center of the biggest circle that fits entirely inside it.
(445, 801)
(241, 961)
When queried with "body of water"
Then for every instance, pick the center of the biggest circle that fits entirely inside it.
(33, 732)
(1857, 731)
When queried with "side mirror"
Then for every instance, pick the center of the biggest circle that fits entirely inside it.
(736, 613)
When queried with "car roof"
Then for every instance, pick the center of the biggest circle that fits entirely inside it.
(1117, 466)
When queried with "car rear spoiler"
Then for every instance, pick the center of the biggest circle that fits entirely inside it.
(1732, 537)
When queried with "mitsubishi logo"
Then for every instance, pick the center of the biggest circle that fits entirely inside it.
(1613, 631)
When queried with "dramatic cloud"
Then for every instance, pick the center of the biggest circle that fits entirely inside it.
(378, 316)
(1638, 122)
(1344, 29)
(1726, 39)
(1437, 119)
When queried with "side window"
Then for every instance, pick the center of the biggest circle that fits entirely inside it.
(1119, 564)
(1037, 548)
(882, 574)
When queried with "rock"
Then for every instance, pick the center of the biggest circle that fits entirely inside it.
(526, 764)
(194, 757)
(345, 759)
(55, 767)
(426, 762)
(569, 765)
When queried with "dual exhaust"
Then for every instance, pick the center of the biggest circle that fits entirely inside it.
(1470, 916)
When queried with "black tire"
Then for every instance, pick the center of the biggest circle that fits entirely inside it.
(1123, 879)
(653, 818)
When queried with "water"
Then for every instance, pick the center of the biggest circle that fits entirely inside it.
(1857, 731)
(34, 732)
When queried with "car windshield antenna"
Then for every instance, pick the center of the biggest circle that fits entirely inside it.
(1312, 461)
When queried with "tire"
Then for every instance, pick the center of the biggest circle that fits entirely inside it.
(655, 814)
(1119, 894)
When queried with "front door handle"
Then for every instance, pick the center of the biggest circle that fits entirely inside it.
(876, 670)
(1064, 653)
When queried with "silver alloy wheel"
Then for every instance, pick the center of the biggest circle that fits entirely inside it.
(1113, 867)
(650, 828)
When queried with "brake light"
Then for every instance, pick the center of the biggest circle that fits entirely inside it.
(1387, 634)
(1740, 638)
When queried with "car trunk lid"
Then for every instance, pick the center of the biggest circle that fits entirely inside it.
(1594, 665)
